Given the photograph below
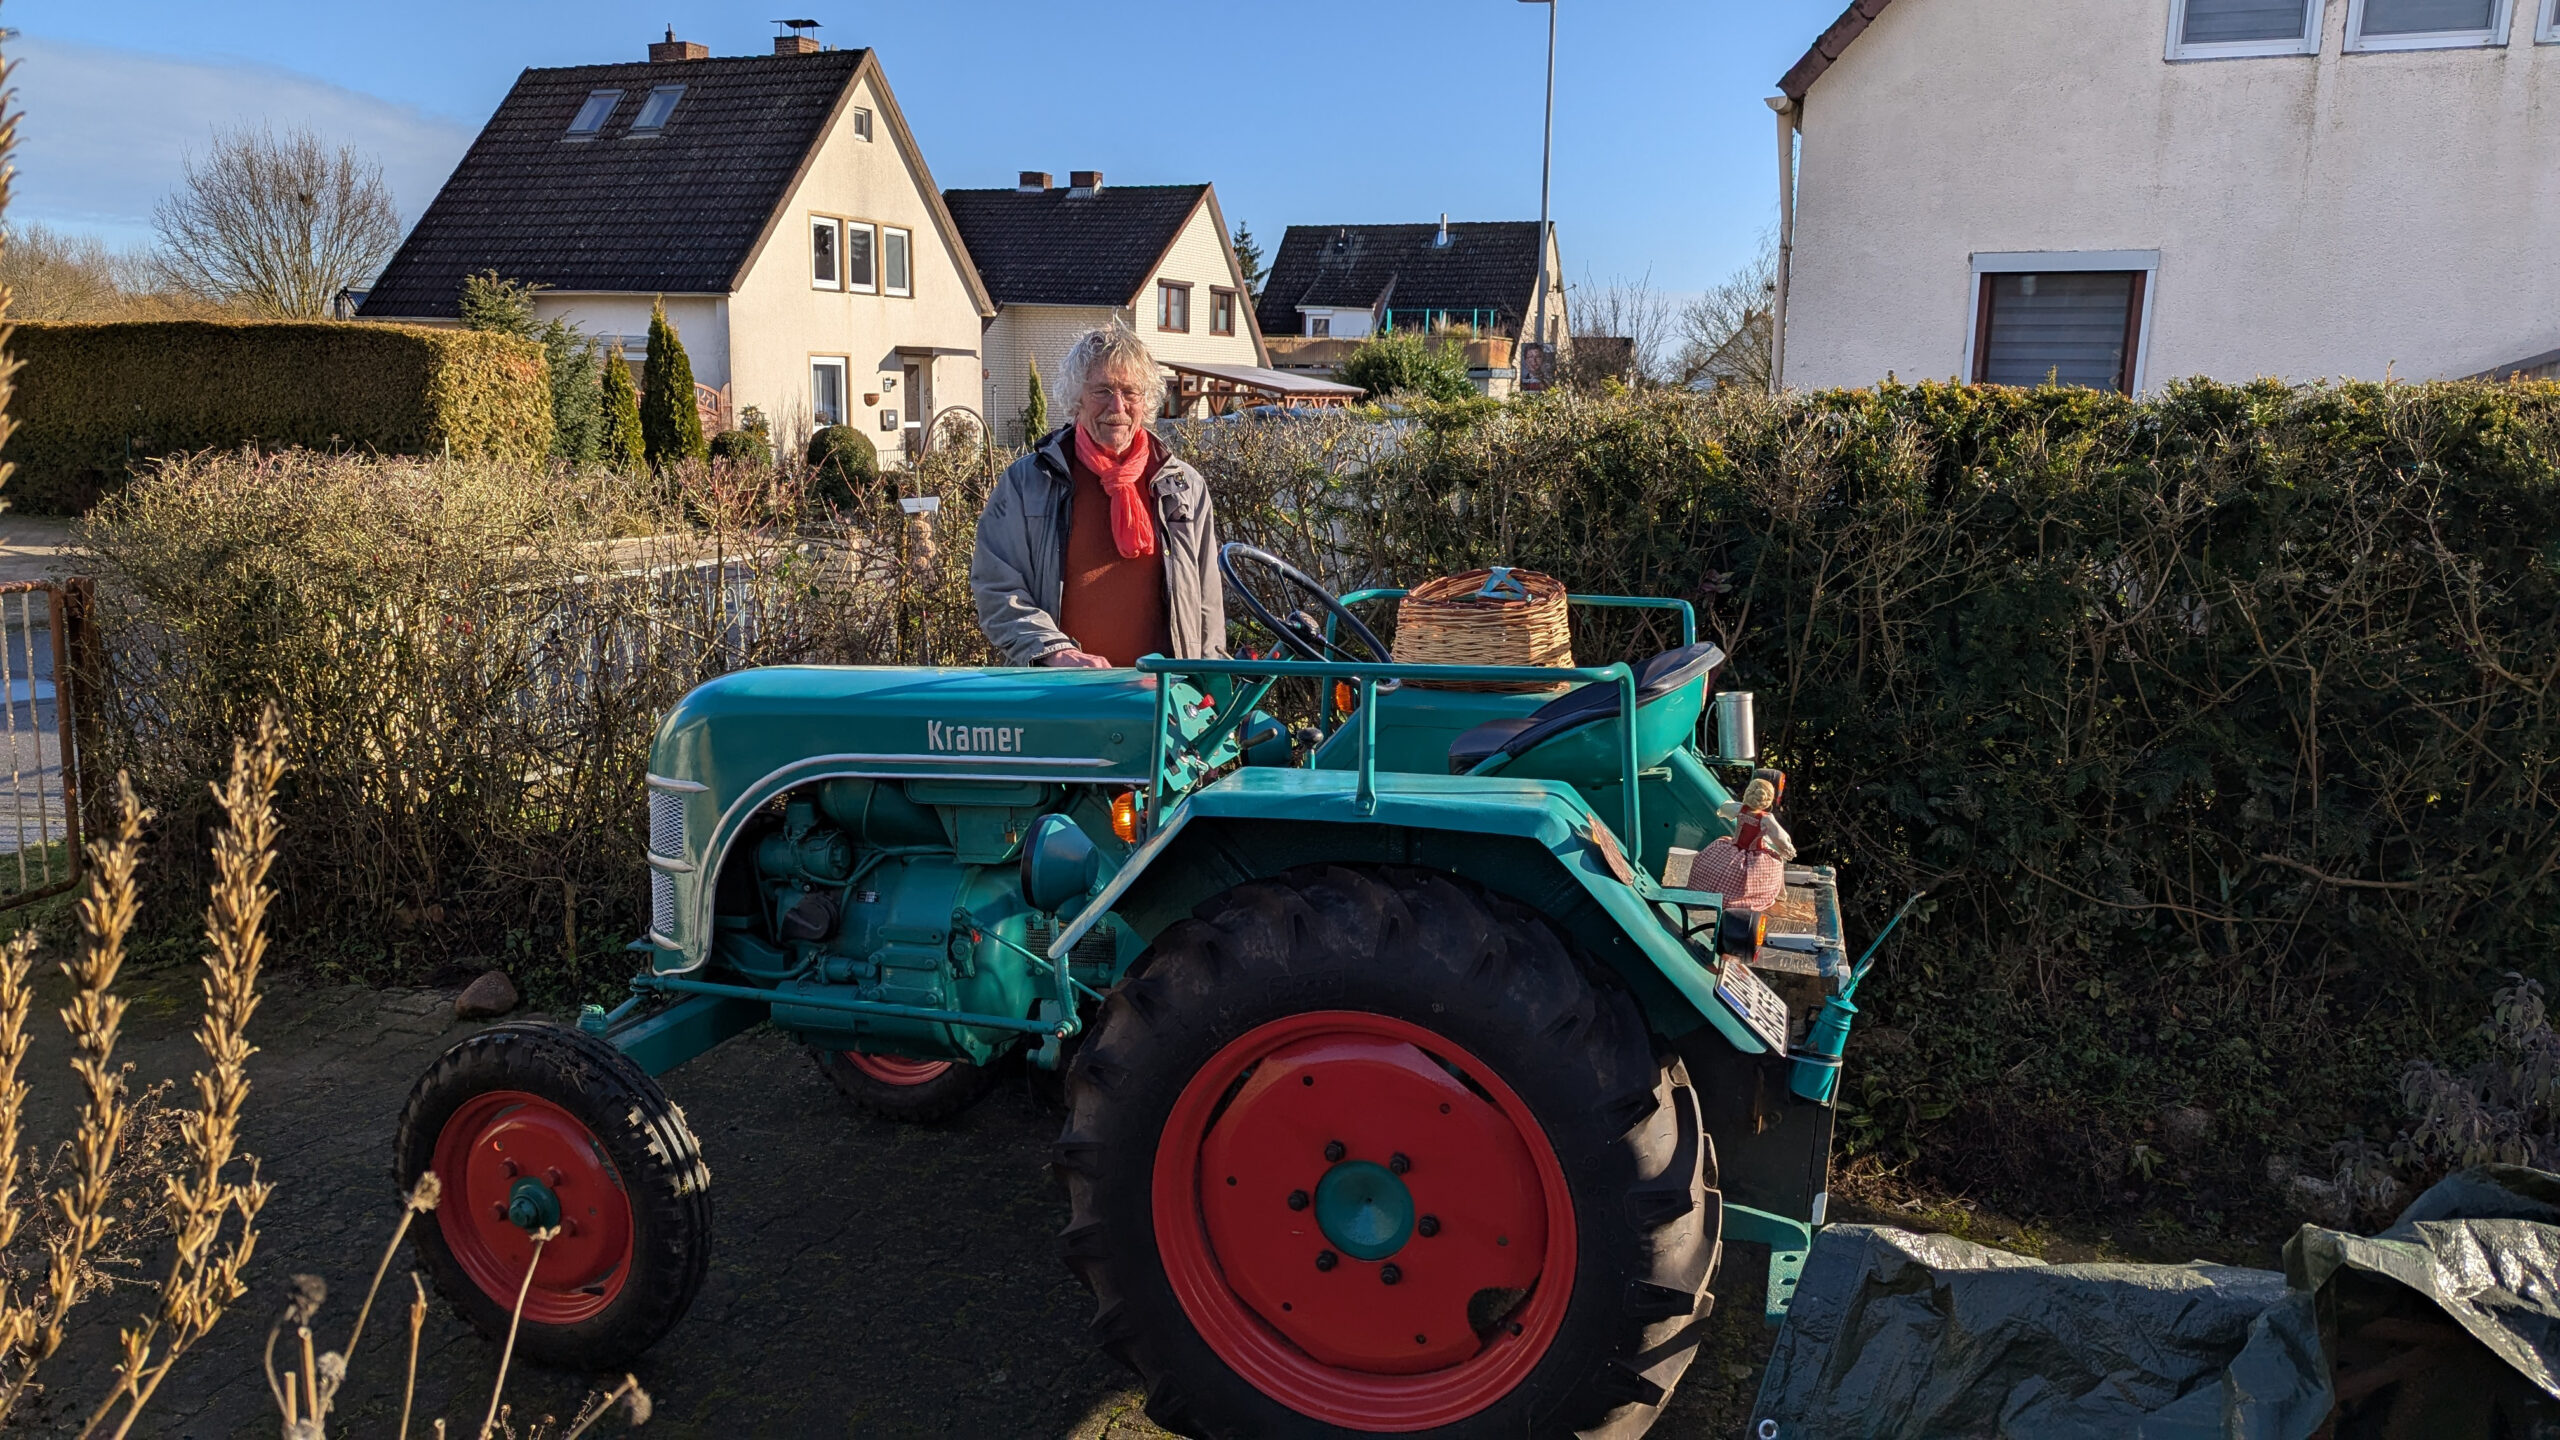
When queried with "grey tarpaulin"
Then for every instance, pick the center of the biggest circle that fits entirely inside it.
(1896, 1336)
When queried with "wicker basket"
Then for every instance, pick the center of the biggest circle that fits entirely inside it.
(1450, 621)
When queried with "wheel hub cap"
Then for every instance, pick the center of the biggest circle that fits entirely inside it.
(1364, 1209)
(532, 1206)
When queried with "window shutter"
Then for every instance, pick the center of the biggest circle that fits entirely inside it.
(2228, 22)
(2427, 17)
(2067, 326)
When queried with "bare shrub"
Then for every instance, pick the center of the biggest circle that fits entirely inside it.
(279, 225)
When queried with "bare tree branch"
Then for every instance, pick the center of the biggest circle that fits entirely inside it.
(277, 225)
(1724, 334)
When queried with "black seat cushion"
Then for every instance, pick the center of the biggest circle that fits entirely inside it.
(1581, 706)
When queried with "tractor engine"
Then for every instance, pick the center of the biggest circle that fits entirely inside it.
(901, 892)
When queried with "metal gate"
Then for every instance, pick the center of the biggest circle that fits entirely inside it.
(42, 632)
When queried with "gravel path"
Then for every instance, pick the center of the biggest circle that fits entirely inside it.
(868, 1280)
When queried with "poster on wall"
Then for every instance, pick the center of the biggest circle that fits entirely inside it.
(1537, 366)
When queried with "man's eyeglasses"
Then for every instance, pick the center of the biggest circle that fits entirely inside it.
(1128, 395)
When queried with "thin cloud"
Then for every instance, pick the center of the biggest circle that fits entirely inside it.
(106, 132)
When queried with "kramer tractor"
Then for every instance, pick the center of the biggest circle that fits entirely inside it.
(1404, 1091)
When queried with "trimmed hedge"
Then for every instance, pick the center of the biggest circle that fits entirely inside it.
(95, 400)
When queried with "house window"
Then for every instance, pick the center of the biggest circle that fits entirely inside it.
(860, 245)
(593, 114)
(823, 269)
(1222, 312)
(2548, 32)
(2217, 29)
(1319, 325)
(826, 389)
(655, 110)
(861, 123)
(894, 278)
(2061, 326)
(1173, 305)
(2425, 24)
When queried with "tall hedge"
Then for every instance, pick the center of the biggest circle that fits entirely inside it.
(2218, 726)
(94, 400)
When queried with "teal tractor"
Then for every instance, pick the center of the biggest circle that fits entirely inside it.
(1403, 1091)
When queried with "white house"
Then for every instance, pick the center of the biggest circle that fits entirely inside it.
(1061, 260)
(2121, 194)
(1486, 284)
(776, 204)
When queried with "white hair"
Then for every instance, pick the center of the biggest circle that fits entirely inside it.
(1099, 352)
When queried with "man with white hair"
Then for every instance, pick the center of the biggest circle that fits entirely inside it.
(1099, 546)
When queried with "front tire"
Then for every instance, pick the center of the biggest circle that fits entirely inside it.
(1365, 1152)
(911, 1092)
(531, 1126)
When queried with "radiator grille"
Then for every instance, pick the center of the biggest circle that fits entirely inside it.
(666, 824)
(662, 904)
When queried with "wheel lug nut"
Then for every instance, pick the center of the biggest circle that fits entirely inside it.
(1326, 1260)
(553, 1175)
(510, 1167)
(1297, 1199)
(1333, 1150)
(1398, 1163)
(1390, 1274)
(1428, 1226)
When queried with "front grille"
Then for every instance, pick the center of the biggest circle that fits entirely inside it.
(662, 904)
(666, 825)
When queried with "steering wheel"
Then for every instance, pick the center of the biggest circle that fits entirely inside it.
(1300, 631)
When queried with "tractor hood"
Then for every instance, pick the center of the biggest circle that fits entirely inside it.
(1075, 726)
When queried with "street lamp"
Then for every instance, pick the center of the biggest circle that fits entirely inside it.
(1546, 170)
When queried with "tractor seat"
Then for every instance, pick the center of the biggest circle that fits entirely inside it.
(1664, 674)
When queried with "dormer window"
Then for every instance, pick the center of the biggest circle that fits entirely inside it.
(655, 110)
(593, 114)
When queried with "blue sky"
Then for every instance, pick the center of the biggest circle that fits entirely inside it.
(1320, 111)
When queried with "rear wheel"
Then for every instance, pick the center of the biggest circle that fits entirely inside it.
(1366, 1152)
(915, 1092)
(533, 1127)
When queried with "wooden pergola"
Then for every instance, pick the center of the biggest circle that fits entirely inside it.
(1235, 387)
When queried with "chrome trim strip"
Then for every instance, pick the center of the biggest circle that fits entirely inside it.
(663, 782)
(956, 758)
(671, 866)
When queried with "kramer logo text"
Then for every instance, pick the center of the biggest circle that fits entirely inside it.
(973, 739)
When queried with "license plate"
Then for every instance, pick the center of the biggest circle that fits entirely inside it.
(1759, 1006)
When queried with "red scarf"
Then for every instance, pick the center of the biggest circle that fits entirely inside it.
(1123, 477)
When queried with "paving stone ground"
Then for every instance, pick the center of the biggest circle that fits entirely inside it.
(867, 1279)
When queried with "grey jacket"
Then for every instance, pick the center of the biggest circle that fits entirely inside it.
(1020, 566)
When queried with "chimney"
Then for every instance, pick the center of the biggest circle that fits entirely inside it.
(672, 48)
(1441, 240)
(1084, 182)
(1033, 182)
(797, 40)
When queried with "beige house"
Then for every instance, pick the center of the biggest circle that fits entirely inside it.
(777, 205)
(1060, 260)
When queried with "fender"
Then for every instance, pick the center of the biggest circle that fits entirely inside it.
(1532, 840)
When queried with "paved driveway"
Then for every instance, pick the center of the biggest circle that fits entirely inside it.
(868, 1280)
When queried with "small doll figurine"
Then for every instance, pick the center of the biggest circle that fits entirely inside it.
(1749, 867)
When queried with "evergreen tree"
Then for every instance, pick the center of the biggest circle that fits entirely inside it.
(1249, 258)
(1035, 411)
(670, 425)
(493, 303)
(619, 443)
(1403, 363)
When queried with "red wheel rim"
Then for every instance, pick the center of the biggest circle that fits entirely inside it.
(1249, 1139)
(896, 1069)
(492, 1143)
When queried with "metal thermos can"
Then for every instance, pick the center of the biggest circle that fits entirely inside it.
(1737, 737)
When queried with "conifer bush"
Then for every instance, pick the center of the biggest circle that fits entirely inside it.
(619, 443)
(1035, 408)
(670, 421)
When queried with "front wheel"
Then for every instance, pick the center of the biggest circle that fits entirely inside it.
(913, 1092)
(1367, 1152)
(534, 1127)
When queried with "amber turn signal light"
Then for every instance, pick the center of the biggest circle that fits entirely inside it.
(1345, 699)
(1124, 816)
(1740, 932)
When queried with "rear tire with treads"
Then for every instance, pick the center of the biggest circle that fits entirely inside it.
(1274, 1262)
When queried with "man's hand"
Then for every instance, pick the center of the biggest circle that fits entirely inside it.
(1074, 659)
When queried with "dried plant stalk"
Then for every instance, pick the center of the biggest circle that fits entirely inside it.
(508, 1352)
(17, 960)
(417, 1327)
(204, 1275)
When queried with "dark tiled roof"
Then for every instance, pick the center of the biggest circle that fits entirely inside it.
(682, 213)
(1054, 248)
(1487, 265)
(1853, 22)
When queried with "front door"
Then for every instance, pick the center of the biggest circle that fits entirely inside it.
(919, 389)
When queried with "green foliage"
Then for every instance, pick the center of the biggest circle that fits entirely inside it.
(1035, 410)
(844, 467)
(94, 401)
(506, 307)
(751, 448)
(1248, 258)
(2217, 725)
(670, 419)
(619, 443)
(1404, 364)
